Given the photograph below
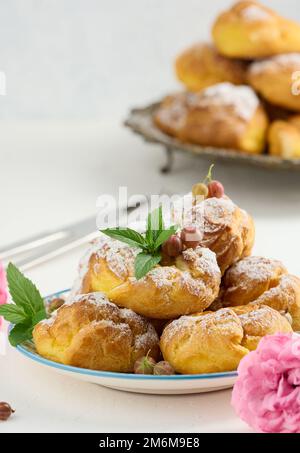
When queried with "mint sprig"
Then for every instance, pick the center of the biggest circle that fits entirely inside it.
(150, 243)
(144, 263)
(28, 308)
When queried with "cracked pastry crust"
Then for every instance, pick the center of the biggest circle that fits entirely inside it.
(187, 285)
(213, 342)
(222, 115)
(260, 281)
(226, 229)
(249, 30)
(201, 66)
(272, 79)
(91, 332)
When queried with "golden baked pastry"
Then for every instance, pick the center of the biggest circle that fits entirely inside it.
(272, 78)
(295, 121)
(226, 229)
(262, 281)
(213, 342)
(201, 66)
(250, 30)
(91, 332)
(284, 140)
(189, 284)
(234, 112)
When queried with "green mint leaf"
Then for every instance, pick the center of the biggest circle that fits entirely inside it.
(149, 233)
(20, 333)
(164, 235)
(144, 263)
(155, 224)
(28, 308)
(13, 313)
(39, 316)
(127, 235)
(23, 292)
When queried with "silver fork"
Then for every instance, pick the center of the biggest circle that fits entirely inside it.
(51, 244)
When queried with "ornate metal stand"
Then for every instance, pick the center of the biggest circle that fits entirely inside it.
(167, 168)
(140, 120)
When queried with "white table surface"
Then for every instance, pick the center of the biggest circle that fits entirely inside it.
(51, 174)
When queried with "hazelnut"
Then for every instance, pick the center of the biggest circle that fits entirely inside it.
(191, 237)
(173, 246)
(55, 304)
(163, 368)
(5, 411)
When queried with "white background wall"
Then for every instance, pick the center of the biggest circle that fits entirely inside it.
(74, 68)
(95, 58)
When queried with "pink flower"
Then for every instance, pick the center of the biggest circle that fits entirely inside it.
(266, 394)
(3, 291)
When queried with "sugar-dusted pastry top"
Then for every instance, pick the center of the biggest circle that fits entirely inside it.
(282, 62)
(250, 30)
(91, 332)
(254, 13)
(184, 284)
(251, 277)
(242, 100)
(118, 256)
(226, 229)
(275, 79)
(234, 111)
(216, 341)
(261, 281)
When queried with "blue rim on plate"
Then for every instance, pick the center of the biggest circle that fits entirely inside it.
(109, 374)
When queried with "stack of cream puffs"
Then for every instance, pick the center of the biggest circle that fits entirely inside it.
(244, 85)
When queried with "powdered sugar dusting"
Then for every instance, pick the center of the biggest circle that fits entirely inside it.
(95, 298)
(202, 321)
(163, 276)
(242, 99)
(143, 333)
(210, 215)
(192, 285)
(286, 291)
(50, 321)
(148, 336)
(203, 259)
(252, 315)
(229, 320)
(118, 255)
(147, 339)
(254, 269)
(84, 266)
(289, 61)
(254, 13)
(200, 262)
(122, 326)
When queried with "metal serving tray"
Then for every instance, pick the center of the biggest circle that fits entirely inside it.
(140, 121)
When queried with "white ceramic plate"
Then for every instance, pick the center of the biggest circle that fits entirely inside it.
(177, 384)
